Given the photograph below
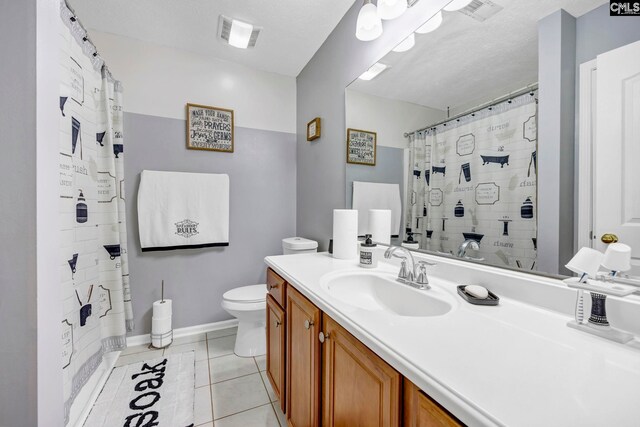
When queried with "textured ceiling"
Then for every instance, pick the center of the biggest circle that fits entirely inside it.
(466, 62)
(293, 30)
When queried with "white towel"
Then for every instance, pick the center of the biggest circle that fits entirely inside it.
(373, 195)
(183, 210)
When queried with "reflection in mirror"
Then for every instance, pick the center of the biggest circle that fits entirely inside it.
(456, 118)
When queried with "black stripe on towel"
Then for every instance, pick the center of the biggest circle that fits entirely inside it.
(171, 248)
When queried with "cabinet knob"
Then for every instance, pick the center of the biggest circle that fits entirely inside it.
(609, 238)
(278, 323)
(308, 324)
(322, 336)
(272, 286)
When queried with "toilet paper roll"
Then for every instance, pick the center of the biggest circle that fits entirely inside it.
(160, 325)
(162, 308)
(345, 233)
(380, 225)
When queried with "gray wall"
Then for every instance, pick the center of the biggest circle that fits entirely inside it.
(320, 93)
(597, 32)
(18, 373)
(389, 169)
(262, 174)
(556, 116)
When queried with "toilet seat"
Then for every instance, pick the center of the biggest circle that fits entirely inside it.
(247, 294)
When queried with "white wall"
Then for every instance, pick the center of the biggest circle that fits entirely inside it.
(159, 81)
(389, 118)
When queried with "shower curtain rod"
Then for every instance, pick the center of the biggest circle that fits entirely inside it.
(86, 37)
(491, 103)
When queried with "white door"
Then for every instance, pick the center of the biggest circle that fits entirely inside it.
(616, 150)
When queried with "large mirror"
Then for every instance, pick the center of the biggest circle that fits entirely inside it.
(455, 113)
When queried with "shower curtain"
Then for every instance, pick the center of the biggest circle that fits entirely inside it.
(475, 178)
(96, 299)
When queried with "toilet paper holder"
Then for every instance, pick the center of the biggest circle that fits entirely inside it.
(163, 339)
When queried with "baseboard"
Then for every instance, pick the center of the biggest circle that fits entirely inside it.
(183, 332)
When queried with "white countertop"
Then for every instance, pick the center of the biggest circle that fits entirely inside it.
(513, 365)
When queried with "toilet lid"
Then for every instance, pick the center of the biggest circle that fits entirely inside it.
(253, 293)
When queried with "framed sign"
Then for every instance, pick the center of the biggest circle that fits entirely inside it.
(361, 147)
(209, 128)
(313, 129)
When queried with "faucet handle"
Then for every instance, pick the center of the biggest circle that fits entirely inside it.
(423, 264)
(422, 278)
(404, 272)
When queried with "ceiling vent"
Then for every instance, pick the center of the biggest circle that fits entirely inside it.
(237, 33)
(481, 10)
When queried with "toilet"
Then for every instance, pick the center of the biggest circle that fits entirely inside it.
(249, 303)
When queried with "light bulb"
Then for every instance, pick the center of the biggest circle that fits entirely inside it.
(431, 25)
(368, 25)
(391, 9)
(456, 5)
(406, 44)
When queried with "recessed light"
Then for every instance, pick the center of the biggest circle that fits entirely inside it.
(237, 33)
(373, 71)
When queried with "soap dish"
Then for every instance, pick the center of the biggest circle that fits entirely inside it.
(492, 299)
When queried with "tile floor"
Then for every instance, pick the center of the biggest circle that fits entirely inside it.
(230, 390)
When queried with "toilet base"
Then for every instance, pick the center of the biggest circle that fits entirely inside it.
(251, 339)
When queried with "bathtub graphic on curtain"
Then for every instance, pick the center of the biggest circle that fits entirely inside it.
(498, 157)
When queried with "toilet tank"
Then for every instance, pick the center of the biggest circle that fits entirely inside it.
(298, 245)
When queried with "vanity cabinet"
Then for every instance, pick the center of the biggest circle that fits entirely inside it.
(359, 388)
(276, 348)
(324, 376)
(303, 361)
(422, 411)
(277, 287)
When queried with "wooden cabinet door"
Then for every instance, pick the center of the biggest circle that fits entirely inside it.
(303, 361)
(359, 388)
(421, 411)
(276, 339)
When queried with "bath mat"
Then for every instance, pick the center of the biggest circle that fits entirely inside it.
(156, 392)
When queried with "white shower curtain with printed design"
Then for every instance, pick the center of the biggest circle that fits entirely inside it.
(96, 305)
(475, 178)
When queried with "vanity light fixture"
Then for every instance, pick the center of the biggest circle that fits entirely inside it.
(391, 9)
(373, 71)
(369, 24)
(406, 44)
(432, 24)
(237, 33)
(456, 5)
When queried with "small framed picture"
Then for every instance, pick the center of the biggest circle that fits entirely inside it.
(209, 128)
(361, 147)
(313, 129)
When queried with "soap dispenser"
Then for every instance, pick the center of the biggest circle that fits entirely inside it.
(368, 255)
(410, 243)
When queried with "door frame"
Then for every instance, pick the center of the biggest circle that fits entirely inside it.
(586, 140)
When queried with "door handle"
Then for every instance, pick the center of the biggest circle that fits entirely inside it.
(322, 336)
(608, 238)
(308, 324)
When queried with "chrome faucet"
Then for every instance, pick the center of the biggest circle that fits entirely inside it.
(411, 277)
(469, 243)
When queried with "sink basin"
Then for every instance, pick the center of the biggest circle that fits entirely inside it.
(381, 292)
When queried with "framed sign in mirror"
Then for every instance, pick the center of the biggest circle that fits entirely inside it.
(361, 147)
(313, 129)
(209, 128)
